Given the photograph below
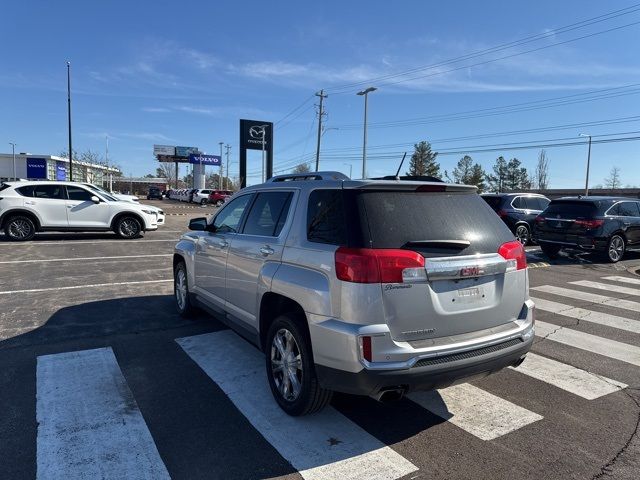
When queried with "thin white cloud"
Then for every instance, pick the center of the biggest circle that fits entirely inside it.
(155, 110)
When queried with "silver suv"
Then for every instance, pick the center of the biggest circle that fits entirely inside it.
(370, 287)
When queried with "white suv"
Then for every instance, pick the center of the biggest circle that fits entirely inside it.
(30, 207)
(127, 198)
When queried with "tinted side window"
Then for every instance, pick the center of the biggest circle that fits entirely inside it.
(534, 203)
(628, 209)
(26, 191)
(48, 191)
(494, 202)
(544, 203)
(615, 210)
(519, 202)
(268, 214)
(325, 217)
(229, 218)
(78, 194)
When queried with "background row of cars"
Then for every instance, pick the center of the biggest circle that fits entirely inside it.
(200, 196)
(608, 226)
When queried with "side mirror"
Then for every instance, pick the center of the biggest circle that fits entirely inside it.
(198, 224)
(95, 199)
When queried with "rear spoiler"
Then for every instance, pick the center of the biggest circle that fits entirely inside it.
(409, 186)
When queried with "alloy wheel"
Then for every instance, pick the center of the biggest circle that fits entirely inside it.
(286, 365)
(522, 234)
(181, 289)
(129, 227)
(616, 248)
(19, 228)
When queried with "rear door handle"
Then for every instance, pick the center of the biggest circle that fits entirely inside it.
(71, 206)
(266, 250)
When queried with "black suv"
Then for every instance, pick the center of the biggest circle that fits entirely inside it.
(608, 225)
(154, 192)
(518, 211)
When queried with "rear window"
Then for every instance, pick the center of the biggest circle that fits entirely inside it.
(493, 202)
(325, 217)
(401, 219)
(571, 209)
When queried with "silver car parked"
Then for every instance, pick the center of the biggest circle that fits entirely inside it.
(370, 287)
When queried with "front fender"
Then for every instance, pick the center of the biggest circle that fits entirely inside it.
(186, 250)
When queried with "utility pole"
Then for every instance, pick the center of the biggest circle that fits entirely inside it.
(586, 183)
(69, 119)
(220, 174)
(13, 152)
(228, 147)
(322, 96)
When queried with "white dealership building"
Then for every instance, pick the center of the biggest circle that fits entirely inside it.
(51, 167)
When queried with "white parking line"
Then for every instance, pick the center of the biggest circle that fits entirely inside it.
(89, 425)
(75, 287)
(475, 411)
(616, 278)
(582, 314)
(589, 297)
(80, 259)
(80, 242)
(592, 343)
(306, 442)
(607, 287)
(575, 380)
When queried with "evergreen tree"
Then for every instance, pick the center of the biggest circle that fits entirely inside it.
(477, 177)
(423, 161)
(499, 177)
(462, 172)
(517, 176)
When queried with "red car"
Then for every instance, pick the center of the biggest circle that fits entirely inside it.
(218, 197)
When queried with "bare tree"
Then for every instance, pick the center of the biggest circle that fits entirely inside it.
(542, 171)
(613, 181)
(302, 168)
(168, 171)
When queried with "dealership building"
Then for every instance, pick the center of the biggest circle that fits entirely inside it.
(50, 167)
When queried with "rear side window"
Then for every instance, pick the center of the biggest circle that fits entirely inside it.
(48, 191)
(519, 202)
(431, 223)
(268, 214)
(493, 202)
(628, 209)
(26, 191)
(326, 218)
(570, 209)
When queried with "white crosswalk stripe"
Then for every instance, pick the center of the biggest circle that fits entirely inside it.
(89, 425)
(617, 278)
(579, 382)
(589, 297)
(607, 287)
(593, 343)
(583, 314)
(476, 411)
(238, 369)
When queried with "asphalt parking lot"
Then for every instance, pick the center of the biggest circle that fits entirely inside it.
(92, 353)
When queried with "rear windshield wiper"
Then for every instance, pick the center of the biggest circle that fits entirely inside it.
(460, 244)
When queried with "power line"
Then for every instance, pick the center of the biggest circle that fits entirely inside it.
(307, 100)
(584, 23)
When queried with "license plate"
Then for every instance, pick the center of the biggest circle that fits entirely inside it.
(469, 295)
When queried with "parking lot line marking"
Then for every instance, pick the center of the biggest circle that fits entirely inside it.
(607, 287)
(79, 242)
(87, 258)
(89, 424)
(475, 411)
(306, 442)
(569, 378)
(617, 278)
(592, 343)
(589, 297)
(582, 314)
(74, 287)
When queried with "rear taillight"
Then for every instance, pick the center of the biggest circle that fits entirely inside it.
(540, 220)
(369, 265)
(514, 252)
(502, 213)
(588, 224)
(431, 188)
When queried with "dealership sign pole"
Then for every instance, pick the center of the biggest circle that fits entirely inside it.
(69, 119)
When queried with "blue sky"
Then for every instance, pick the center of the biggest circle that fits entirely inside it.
(184, 73)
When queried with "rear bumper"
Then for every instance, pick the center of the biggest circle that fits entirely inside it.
(575, 241)
(428, 377)
(429, 365)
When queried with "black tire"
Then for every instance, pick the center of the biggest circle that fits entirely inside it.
(203, 202)
(616, 247)
(184, 305)
(19, 228)
(219, 203)
(311, 397)
(523, 234)
(128, 226)
(550, 251)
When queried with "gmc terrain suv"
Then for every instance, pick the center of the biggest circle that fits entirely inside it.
(371, 287)
(30, 207)
(607, 225)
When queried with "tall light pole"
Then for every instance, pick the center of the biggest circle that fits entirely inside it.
(350, 168)
(220, 174)
(13, 153)
(69, 119)
(366, 93)
(586, 183)
(228, 147)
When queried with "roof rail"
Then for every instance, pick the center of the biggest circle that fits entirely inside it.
(308, 176)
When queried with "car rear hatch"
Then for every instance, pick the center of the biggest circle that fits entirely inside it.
(447, 264)
(565, 220)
